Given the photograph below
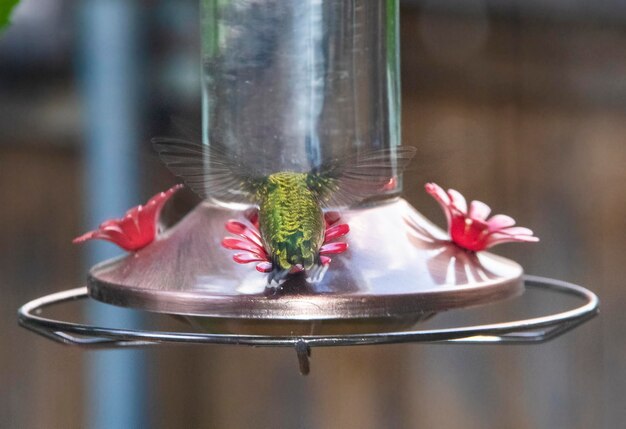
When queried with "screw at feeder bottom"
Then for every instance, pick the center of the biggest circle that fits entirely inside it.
(303, 351)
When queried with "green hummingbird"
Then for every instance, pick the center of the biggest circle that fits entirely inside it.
(291, 204)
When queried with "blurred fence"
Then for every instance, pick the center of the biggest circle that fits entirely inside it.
(523, 109)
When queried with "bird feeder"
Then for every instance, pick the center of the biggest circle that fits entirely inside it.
(292, 86)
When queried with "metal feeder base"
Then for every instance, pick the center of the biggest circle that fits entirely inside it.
(398, 270)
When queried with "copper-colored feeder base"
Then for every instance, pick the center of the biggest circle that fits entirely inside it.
(393, 275)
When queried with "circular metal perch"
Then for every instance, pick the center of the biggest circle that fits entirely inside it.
(534, 330)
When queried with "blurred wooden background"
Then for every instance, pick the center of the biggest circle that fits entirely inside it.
(525, 112)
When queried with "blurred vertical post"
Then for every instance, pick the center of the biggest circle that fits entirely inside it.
(110, 60)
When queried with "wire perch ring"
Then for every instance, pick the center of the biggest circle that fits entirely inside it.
(534, 330)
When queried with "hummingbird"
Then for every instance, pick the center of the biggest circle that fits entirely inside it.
(291, 204)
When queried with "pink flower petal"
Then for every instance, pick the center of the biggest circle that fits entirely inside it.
(116, 238)
(235, 227)
(150, 212)
(528, 238)
(86, 236)
(336, 232)
(264, 267)
(112, 223)
(325, 260)
(244, 231)
(331, 218)
(239, 244)
(500, 221)
(112, 236)
(333, 248)
(441, 197)
(244, 258)
(496, 239)
(123, 240)
(252, 215)
(438, 193)
(479, 210)
(131, 223)
(458, 200)
(516, 230)
(138, 227)
(250, 242)
(470, 230)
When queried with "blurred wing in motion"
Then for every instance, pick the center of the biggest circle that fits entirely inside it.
(349, 181)
(209, 170)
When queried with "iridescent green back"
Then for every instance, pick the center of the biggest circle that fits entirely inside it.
(291, 219)
(290, 203)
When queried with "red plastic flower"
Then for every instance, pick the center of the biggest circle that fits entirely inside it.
(137, 228)
(253, 250)
(470, 229)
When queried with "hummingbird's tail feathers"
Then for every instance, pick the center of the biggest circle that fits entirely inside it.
(277, 275)
(347, 182)
(209, 170)
(316, 273)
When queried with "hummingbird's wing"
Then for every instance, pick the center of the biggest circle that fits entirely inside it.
(209, 170)
(349, 181)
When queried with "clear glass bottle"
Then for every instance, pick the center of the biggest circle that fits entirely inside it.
(292, 84)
